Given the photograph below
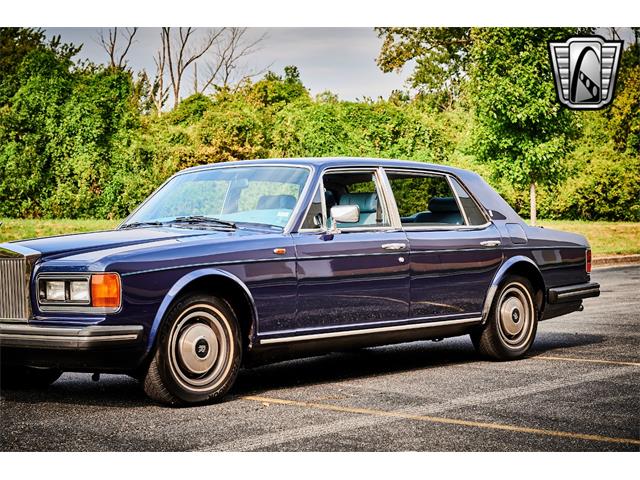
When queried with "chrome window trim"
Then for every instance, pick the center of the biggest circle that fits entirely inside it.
(458, 201)
(323, 208)
(287, 229)
(394, 214)
(451, 228)
(423, 228)
(75, 307)
(483, 210)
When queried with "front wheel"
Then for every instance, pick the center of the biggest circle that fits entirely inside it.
(198, 353)
(512, 323)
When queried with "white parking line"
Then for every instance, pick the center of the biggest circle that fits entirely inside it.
(587, 360)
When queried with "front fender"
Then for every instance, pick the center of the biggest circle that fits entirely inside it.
(181, 284)
(499, 276)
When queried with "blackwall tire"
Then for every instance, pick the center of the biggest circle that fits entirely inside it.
(198, 353)
(512, 324)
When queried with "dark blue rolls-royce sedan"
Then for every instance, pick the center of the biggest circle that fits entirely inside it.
(247, 262)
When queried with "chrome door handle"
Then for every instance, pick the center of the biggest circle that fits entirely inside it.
(490, 243)
(394, 246)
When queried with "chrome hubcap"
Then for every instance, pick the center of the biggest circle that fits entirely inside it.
(510, 315)
(515, 315)
(200, 347)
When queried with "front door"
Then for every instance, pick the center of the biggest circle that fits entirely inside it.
(359, 276)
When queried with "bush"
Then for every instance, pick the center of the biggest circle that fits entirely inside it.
(79, 141)
(607, 189)
(380, 129)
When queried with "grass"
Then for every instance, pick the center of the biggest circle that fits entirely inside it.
(16, 229)
(606, 238)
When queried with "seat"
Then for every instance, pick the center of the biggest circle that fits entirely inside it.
(442, 210)
(368, 203)
(274, 202)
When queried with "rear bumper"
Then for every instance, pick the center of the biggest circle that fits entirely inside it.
(90, 348)
(573, 293)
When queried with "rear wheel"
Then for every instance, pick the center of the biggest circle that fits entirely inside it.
(198, 354)
(17, 377)
(512, 323)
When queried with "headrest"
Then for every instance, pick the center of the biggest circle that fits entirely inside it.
(272, 202)
(368, 202)
(443, 205)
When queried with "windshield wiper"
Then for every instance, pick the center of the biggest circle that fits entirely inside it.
(203, 219)
(261, 225)
(142, 224)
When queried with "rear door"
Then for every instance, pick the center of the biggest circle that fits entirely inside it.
(359, 276)
(455, 249)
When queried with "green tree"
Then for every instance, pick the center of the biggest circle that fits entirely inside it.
(521, 128)
(440, 55)
(63, 134)
(624, 113)
(274, 91)
(377, 129)
(15, 45)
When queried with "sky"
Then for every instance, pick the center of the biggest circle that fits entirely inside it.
(341, 60)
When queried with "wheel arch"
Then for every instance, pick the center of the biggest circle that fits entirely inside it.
(227, 286)
(518, 265)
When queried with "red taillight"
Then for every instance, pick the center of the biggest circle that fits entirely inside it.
(588, 260)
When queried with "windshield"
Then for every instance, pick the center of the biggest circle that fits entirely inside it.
(264, 195)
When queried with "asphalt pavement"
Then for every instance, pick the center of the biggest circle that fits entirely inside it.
(578, 390)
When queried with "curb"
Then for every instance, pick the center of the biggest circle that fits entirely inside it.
(615, 260)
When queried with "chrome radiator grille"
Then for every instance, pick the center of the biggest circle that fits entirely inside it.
(14, 295)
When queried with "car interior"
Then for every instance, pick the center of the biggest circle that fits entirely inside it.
(355, 189)
(436, 205)
(270, 202)
(440, 210)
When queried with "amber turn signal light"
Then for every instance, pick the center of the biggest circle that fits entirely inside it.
(105, 290)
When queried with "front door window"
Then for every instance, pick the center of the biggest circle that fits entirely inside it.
(359, 188)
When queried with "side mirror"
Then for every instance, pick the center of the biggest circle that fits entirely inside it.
(343, 214)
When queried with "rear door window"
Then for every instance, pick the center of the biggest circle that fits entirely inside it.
(425, 200)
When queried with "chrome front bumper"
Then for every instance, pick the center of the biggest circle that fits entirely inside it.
(21, 335)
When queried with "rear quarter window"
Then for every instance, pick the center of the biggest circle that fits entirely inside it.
(471, 209)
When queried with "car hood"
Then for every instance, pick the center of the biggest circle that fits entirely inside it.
(95, 241)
